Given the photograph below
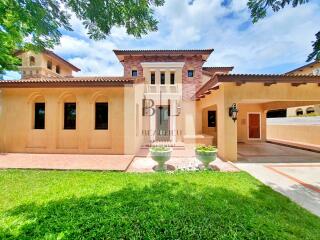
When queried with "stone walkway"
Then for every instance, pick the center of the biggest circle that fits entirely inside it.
(146, 164)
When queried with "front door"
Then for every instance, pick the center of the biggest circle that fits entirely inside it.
(162, 124)
(254, 125)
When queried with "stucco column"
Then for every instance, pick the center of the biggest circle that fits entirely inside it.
(2, 134)
(198, 118)
(173, 123)
(53, 118)
(152, 127)
(263, 125)
(129, 120)
(189, 115)
(83, 125)
(226, 133)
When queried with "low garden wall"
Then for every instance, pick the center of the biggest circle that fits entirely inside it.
(295, 130)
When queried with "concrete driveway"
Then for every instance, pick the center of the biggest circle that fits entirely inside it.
(299, 182)
(293, 172)
(263, 152)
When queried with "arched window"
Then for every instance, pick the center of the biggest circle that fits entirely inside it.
(32, 61)
(58, 69)
(310, 110)
(38, 105)
(299, 111)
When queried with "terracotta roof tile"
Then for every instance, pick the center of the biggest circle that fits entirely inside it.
(69, 81)
(215, 69)
(163, 51)
(304, 66)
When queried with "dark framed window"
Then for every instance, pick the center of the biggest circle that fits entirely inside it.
(101, 116)
(310, 110)
(190, 73)
(212, 120)
(39, 115)
(58, 69)
(172, 76)
(134, 73)
(299, 112)
(162, 78)
(32, 60)
(153, 78)
(49, 64)
(70, 115)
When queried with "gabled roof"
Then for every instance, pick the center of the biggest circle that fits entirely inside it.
(304, 66)
(69, 82)
(57, 57)
(159, 52)
(209, 71)
(53, 55)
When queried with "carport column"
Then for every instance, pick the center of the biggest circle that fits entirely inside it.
(227, 132)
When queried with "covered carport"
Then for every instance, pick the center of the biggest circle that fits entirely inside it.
(253, 95)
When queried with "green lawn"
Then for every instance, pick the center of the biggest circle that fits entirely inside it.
(95, 205)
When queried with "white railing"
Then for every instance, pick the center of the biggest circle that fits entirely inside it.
(167, 88)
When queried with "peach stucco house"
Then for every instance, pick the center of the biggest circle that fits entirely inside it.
(164, 96)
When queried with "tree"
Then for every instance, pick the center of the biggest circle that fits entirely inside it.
(36, 24)
(259, 10)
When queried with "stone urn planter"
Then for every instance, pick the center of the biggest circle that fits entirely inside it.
(160, 155)
(206, 154)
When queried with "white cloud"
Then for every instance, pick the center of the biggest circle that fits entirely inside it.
(282, 38)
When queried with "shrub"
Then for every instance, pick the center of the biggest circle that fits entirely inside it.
(205, 149)
(159, 149)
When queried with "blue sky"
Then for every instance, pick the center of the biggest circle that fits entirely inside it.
(276, 44)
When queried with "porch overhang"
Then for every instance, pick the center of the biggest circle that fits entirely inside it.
(266, 79)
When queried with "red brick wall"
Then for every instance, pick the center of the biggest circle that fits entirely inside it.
(190, 85)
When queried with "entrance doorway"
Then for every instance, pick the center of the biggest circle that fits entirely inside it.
(162, 124)
(254, 131)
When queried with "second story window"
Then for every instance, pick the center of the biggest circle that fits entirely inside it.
(172, 78)
(153, 78)
(162, 78)
(32, 61)
(70, 115)
(58, 69)
(39, 115)
(134, 73)
(190, 73)
(49, 65)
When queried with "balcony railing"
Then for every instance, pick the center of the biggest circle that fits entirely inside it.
(167, 88)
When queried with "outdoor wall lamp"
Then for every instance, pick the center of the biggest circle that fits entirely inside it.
(233, 112)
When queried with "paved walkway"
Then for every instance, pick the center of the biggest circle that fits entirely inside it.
(298, 181)
(65, 161)
(146, 164)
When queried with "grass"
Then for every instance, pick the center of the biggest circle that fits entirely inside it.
(102, 205)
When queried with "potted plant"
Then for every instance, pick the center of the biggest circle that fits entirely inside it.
(206, 154)
(160, 154)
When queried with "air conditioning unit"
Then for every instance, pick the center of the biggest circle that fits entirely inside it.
(316, 72)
